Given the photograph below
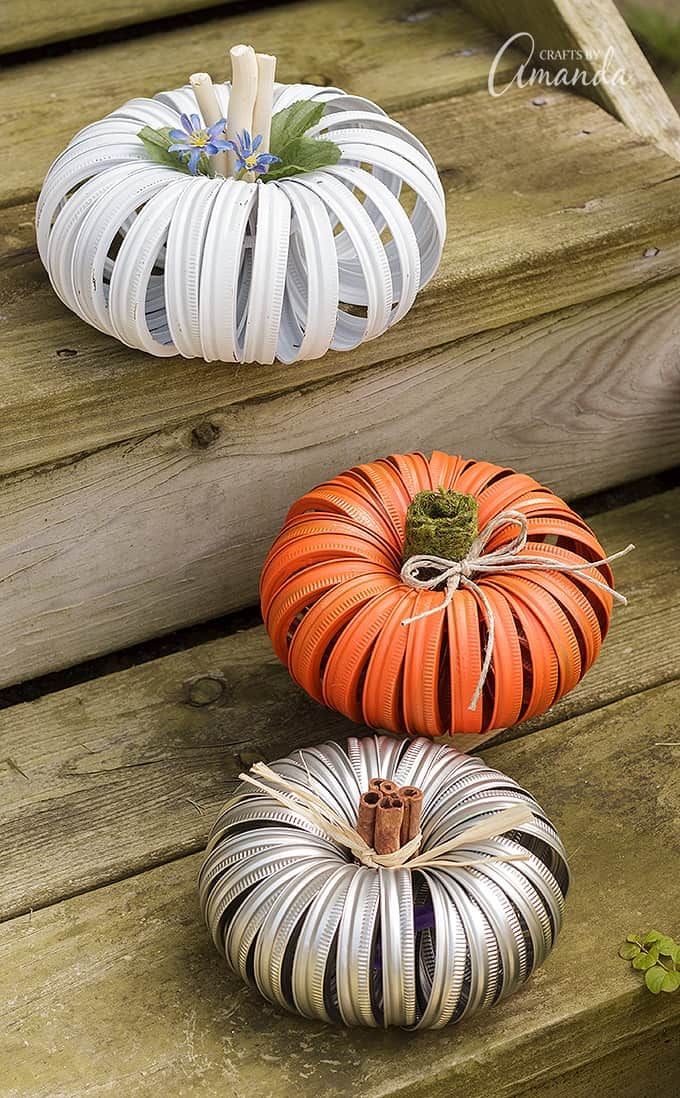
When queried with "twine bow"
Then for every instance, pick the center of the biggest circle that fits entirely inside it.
(458, 573)
(311, 808)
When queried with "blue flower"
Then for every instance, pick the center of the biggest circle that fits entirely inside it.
(196, 139)
(247, 159)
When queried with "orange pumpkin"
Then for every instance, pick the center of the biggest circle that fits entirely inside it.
(339, 613)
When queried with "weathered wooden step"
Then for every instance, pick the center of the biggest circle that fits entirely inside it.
(109, 777)
(370, 49)
(31, 23)
(120, 989)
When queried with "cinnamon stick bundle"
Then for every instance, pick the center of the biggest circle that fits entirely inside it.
(388, 816)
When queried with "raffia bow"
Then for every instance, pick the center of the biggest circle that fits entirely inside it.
(458, 573)
(316, 811)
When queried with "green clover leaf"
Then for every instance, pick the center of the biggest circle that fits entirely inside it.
(671, 981)
(654, 978)
(629, 950)
(645, 960)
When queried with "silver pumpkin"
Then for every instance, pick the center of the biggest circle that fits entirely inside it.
(319, 934)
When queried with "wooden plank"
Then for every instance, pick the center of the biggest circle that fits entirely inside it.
(582, 33)
(143, 536)
(30, 23)
(527, 235)
(120, 989)
(370, 49)
(110, 776)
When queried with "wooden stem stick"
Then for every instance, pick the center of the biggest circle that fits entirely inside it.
(264, 101)
(210, 109)
(243, 95)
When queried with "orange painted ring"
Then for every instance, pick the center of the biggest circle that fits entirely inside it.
(601, 601)
(349, 656)
(316, 548)
(465, 662)
(384, 483)
(542, 675)
(315, 521)
(566, 556)
(503, 494)
(566, 530)
(579, 610)
(343, 500)
(382, 690)
(422, 714)
(322, 623)
(506, 674)
(298, 595)
(446, 470)
(532, 505)
(414, 471)
(478, 476)
(557, 625)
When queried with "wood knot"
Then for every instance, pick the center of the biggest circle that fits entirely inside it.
(204, 435)
(66, 352)
(205, 689)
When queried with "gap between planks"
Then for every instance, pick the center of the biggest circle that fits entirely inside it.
(112, 782)
(579, 399)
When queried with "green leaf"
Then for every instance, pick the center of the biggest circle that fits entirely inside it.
(633, 938)
(298, 153)
(653, 936)
(292, 122)
(157, 142)
(654, 978)
(629, 950)
(645, 960)
(667, 946)
(671, 981)
(306, 154)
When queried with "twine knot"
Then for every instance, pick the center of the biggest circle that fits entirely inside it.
(438, 572)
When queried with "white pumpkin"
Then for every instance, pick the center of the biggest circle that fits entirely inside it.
(234, 271)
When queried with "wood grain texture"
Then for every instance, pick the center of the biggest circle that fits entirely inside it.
(27, 24)
(374, 50)
(159, 531)
(111, 776)
(584, 211)
(590, 28)
(120, 990)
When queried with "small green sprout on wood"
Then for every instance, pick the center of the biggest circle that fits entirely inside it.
(658, 956)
